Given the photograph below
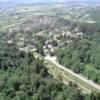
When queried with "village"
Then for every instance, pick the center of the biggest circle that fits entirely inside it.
(55, 37)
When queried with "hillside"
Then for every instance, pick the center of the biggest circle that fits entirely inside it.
(33, 35)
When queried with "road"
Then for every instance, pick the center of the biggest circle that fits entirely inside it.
(90, 85)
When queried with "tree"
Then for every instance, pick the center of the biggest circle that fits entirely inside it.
(95, 59)
(78, 67)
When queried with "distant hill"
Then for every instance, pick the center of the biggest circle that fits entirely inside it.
(9, 3)
(19, 2)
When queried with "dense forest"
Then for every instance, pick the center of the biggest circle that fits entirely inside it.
(23, 77)
(83, 55)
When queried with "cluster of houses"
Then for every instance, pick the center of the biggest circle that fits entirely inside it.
(56, 37)
(54, 40)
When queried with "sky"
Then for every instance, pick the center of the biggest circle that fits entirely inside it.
(37, 0)
(48, 0)
(41, 0)
(45, 0)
